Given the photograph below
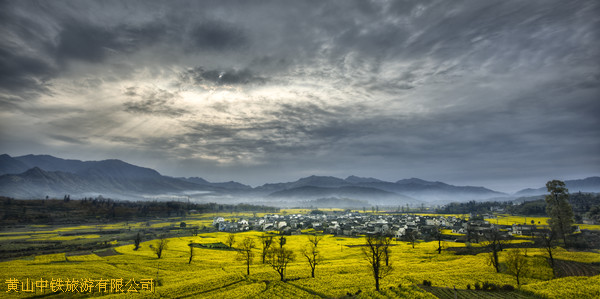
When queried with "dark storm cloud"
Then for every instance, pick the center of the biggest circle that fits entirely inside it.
(80, 40)
(217, 36)
(86, 42)
(23, 73)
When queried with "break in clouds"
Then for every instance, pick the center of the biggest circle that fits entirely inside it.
(469, 92)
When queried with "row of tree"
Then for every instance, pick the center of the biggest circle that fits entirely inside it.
(44, 211)
(275, 254)
(376, 252)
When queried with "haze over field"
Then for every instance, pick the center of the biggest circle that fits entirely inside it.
(501, 94)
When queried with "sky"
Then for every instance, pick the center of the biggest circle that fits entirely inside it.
(501, 94)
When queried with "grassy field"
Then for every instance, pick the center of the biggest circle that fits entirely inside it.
(215, 273)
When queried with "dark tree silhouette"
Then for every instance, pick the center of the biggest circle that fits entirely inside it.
(230, 240)
(266, 242)
(137, 241)
(312, 253)
(516, 264)
(245, 252)
(437, 233)
(280, 257)
(159, 246)
(494, 242)
(191, 252)
(374, 252)
(411, 237)
(548, 240)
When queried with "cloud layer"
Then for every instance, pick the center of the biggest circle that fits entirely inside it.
(497, 93)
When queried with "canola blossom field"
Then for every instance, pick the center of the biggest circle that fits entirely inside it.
(217, 273)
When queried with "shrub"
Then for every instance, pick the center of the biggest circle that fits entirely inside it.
(477, 286)
(508, 287)
(487, 286)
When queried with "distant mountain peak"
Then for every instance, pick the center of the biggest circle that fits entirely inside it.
(355, 179)
(197, 180)
(10, 165)
(34, 171)
(416, 181)
(589, 184)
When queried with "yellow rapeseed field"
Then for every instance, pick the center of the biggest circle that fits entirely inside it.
(215, 273)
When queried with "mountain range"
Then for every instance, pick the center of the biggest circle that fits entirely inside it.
(591, 184)
(38, 176)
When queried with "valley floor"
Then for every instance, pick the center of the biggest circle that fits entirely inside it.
(216, 273)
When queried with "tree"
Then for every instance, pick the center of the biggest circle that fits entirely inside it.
(191, 252)
(160, 246)
(558, 209)
(266, 242)
(280, 257)
(374, 252)
(312, 253)
(548, 240)
(411, 237)
(494, 244)
(137, 241)
(230, 240)
(245, 252)
(439, 237)
(387, 251)
(516, 264)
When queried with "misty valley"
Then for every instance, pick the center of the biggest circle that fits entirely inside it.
(41, 176)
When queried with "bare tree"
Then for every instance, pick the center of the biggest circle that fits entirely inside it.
(312, 253)
(516, 264)
(374, 252)
(230, 240)
(411, 237)
(494, 244)
(548, 240)
(387, 251)
(438, 236)
(245, 252)
(191, 252)
(266, 242)
(280, 257)
(159, 246)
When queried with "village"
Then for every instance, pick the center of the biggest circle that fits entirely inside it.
(401, 226)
